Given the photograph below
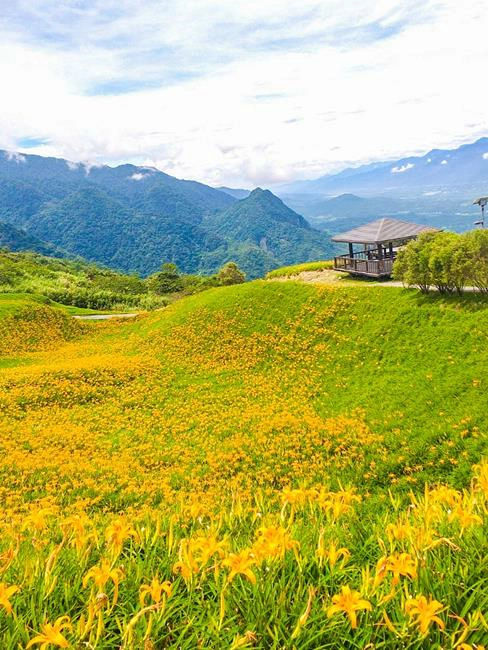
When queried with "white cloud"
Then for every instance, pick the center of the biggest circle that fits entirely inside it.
(15, 157)
(444, 162)
(138, 176)
(485, 156)
(249, 93)
(403, 168)
(88, 166)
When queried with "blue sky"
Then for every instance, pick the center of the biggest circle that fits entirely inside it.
(259, 92)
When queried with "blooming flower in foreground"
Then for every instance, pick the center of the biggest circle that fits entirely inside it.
(349, 602)
(117, 532)
(425, 611)
(272, 542)
(51, 634)
(240, 563)
(400, 564)
(332, 554)
(206, 547)
(103, 574)
(156, 591)
(5, 594)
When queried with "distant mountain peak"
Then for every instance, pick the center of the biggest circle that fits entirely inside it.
(464, 168)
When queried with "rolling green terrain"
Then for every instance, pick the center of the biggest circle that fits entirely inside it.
(268, 465)
(135, 218)
(74, 283)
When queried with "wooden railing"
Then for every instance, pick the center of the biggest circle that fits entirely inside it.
(364, 263)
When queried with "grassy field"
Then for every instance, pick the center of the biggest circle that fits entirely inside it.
(271, 465)
(289, 271)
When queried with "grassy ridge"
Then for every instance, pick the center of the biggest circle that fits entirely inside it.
(75, 283)
(255, 446)
(295, 269)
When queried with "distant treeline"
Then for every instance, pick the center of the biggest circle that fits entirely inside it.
(445, 260)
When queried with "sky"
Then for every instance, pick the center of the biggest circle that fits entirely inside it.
(257, 92)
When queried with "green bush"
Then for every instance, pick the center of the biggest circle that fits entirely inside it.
(168, 280)
(477, 241)
(295, 269)
(229, 274)
(445, 260)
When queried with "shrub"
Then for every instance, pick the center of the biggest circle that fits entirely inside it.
(412, 264)
(446, 260)
(229, 274)
(168, 280)
(477, 242)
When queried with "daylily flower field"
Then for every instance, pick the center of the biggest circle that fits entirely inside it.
(265, 466)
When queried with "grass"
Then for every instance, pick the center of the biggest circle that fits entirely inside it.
(10, 303)
(258, 449)
(288, 271)
(74, 283)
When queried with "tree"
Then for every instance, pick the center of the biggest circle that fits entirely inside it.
(477, 244)
(412, 264)
(230, 273)
(446, 260)
(168, 280)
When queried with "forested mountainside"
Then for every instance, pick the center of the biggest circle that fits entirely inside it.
(135, 218)
(17, 239)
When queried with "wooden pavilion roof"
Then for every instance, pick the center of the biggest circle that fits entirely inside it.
(382, 231)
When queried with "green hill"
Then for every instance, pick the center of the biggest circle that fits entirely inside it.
(72, 282)
(269, 465)
(261, 233)
(16, 239)
(134, 218)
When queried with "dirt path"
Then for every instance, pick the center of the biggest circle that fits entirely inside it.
(328, 276)
(104, 316)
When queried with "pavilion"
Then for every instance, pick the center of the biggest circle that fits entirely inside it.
(380, 241)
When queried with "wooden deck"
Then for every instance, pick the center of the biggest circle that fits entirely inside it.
(363, 263)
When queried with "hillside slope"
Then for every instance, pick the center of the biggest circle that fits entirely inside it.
(260, 231)
(17, 239)
(135, 218)
(320, 352)
(254, 465)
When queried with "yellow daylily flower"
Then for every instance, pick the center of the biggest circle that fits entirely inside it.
(272, 542)
(399, 564)
(156, 591)
(101, 575)
(117, 533)
(425, 612)
(51, 634)
(240, 564)
(332, 554)
(349, 602)
(6, 593)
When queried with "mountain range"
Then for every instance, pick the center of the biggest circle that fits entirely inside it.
(458, 171)
(437, 188)
(134, 218)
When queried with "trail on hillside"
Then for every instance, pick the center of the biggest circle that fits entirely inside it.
(336, 278)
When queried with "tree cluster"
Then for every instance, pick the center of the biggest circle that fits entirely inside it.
(169, 280)
(445, 260)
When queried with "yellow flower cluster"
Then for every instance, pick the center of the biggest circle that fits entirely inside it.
(164, 486)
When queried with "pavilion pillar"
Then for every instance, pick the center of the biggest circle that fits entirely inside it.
(351, 250)
(390, 247)
(380, 251)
